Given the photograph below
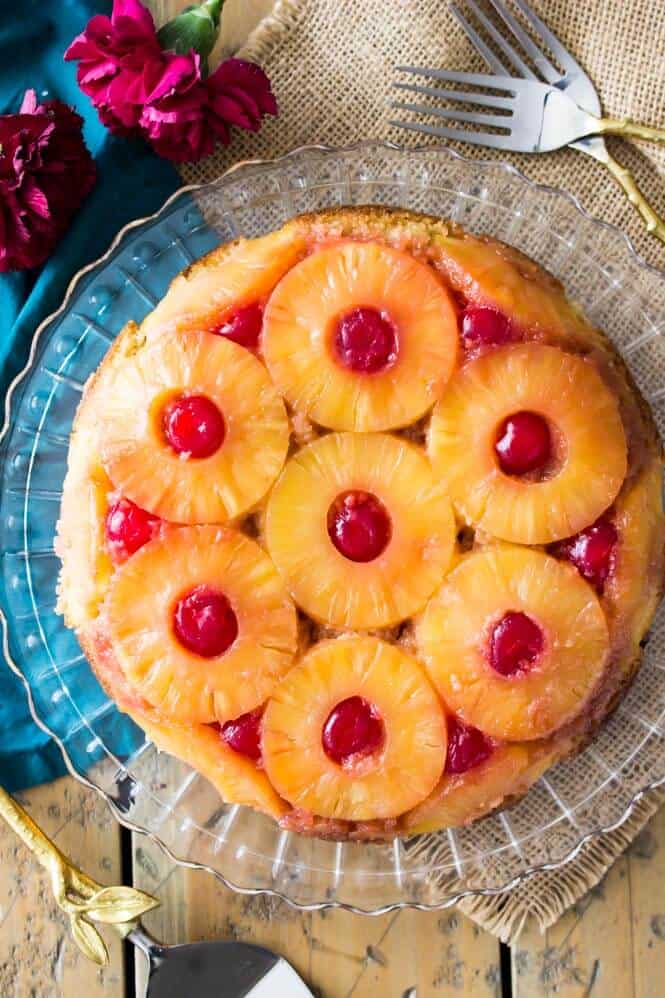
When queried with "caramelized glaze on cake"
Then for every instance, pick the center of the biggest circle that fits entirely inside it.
(364, 522)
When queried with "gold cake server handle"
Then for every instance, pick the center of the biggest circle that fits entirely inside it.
(81, 898)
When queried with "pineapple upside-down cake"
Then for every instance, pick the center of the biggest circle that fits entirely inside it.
(364, 523)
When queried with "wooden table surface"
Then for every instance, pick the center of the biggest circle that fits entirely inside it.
(612, 943)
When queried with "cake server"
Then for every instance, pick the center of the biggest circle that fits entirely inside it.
(208, 969)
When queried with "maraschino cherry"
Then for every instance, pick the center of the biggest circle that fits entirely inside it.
(591, 551)
(353, 728)
(467, 747)
(484, 326)
(523, 443)
(515, 644)
(365, 341)
(128, 527)
(204, 622)
(193, 425)
(243, 326)
(243, 734)
(359, 525)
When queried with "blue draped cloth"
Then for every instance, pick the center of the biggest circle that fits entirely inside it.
(131, 182)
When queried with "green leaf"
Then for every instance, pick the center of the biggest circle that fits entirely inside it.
(115, 905)
(195, 28)
(89, 941)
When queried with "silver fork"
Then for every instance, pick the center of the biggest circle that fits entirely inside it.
(574, 83)
(532, 116)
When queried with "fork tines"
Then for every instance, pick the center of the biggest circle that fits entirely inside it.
(515, 63)
(504, 104)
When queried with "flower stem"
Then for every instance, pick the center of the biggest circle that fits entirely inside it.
(214, 9)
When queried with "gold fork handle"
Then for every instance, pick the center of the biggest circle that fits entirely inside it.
(79, 896)
(627, 128)
(624, 177)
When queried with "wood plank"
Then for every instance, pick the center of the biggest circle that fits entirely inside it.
(337, 953)
(37, 956)
(435, 953)
(612, 941)
(197, 906)
(646, 872)
(588, 951)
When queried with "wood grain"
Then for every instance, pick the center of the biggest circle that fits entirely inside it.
(337, 953)
(612, 942)
(37, 956)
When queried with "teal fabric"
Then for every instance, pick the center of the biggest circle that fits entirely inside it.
(132, 182)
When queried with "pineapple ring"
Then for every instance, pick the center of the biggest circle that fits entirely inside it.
(570, 394)
(634, 586)
(179, 683)
(300, 322)
(453, 635)
(459, 800)
(237, 780)
(232, 276)
(146, 469)
(81, 544)
(330, 587)
(401, 773)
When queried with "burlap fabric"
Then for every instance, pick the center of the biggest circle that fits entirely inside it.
(332, 66)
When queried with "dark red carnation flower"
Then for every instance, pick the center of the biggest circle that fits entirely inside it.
(185, 116)
(238, 93)
(45, 173)
(172, 118)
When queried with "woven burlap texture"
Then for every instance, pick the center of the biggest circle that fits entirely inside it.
(332, 67)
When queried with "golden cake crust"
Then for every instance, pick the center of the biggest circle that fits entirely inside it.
(482, 271)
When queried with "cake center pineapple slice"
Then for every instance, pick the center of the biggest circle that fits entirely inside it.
(201, 624)
(360, 336)
(515, 642)
(360, 529)
(194, 431)
(354, 731)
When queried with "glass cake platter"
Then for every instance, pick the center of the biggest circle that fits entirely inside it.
(163, 798)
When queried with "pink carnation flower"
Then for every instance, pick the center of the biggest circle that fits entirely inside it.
(45, 173)
(185, 116)
(172, 118)
(139, 88)
(119, 61)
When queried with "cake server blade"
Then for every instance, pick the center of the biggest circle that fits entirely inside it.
(217, 970)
